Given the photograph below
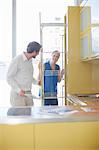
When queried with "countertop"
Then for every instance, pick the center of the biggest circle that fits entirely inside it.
(48, 114)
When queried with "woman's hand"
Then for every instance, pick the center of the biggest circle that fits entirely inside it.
(62, 73)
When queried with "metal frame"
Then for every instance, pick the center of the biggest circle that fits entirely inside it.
(13, 28)
(42, 25)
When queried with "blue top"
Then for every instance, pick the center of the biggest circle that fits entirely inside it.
(50, 79)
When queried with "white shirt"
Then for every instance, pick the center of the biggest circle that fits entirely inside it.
(20, 74)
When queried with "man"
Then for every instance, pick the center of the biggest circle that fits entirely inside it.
(20, 76)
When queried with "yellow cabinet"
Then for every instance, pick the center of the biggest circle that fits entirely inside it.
(50, 136)
(67, 136)
(1, 140)
(17, 137)
(79, 73)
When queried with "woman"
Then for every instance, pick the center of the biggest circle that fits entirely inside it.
(52, 75)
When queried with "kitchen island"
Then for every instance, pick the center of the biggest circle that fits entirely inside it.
(49, 128)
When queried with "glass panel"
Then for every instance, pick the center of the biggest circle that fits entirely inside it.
(27, 24)
(94, 4)
(5, 30)
(85, 18)
(54, 10)
(81, 2)
(95, 40)
(5, 48)
(84, 47)
(57, 17)
(28, 27)
(53, 39)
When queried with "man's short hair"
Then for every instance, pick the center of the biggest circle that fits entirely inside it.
(33, 46)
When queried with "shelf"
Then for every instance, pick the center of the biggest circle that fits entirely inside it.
(91, 58)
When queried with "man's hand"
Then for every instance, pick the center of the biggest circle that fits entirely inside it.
(39, 82)
(21, 93)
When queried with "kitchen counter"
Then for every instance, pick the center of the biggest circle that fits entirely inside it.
(49, 128)
(48, 114)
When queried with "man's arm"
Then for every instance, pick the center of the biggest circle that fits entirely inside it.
(12, 71)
